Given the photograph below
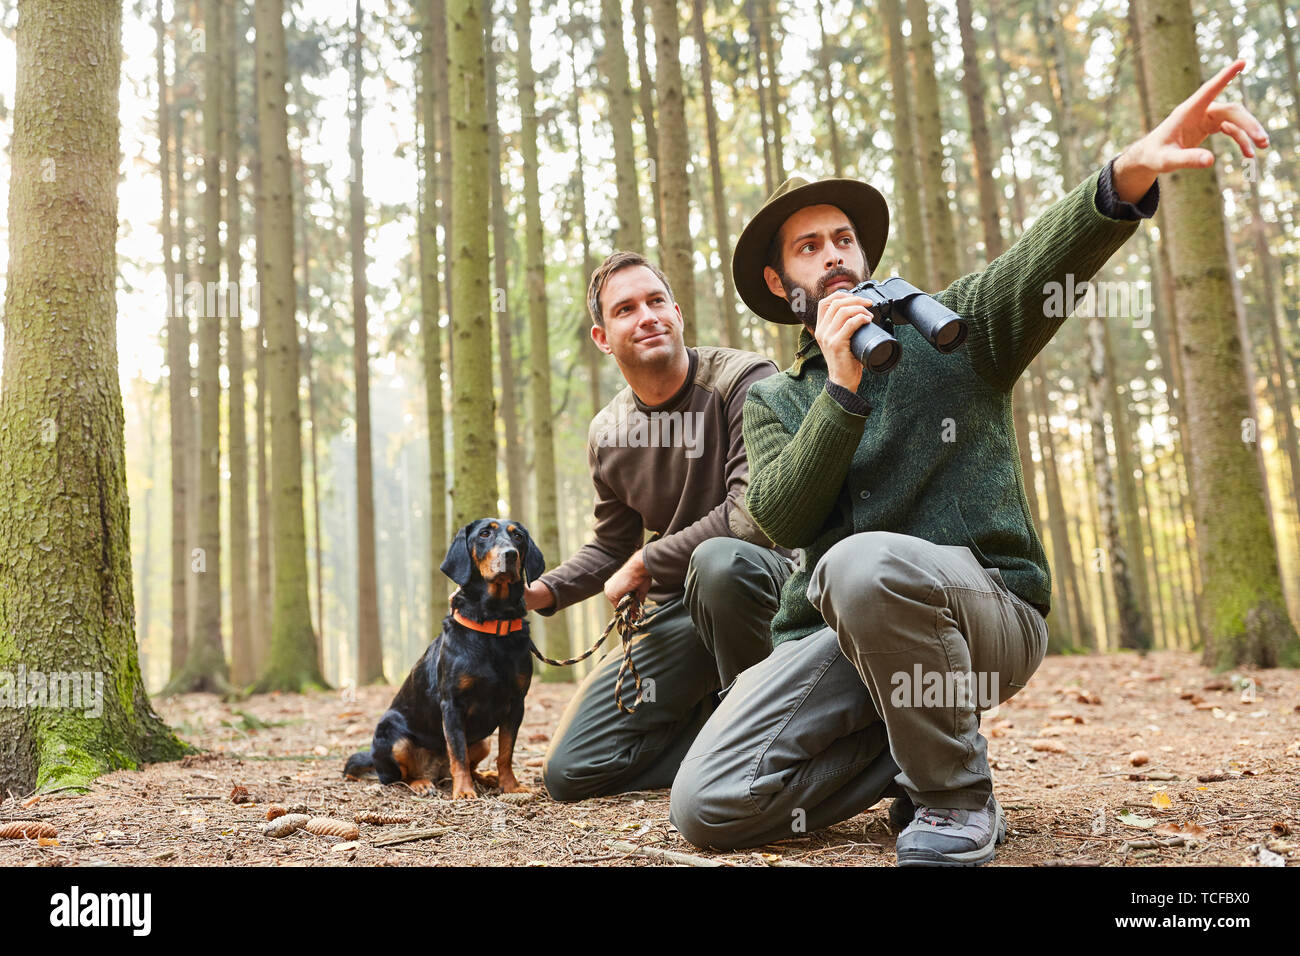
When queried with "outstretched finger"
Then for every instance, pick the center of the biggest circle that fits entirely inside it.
(1240, 117)
(1237, 133)
(1202, 98)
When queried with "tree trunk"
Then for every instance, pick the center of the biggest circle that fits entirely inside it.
(66, 604)
(178, 372)
(823, 55)
(145, 614)
(442, 82)
(721, 234)
(1118, 401)
(767, 30)
(973, 86)
(186, 99)
(1161, 624)
(1097, 556)
(1292, 70)
(1165, 325)
(294, 661)
(205, 663)
(1279, 384)
(516, 483)
(1246, 618)
(586, 347)
(770, 182)
(243, 669)
(1076, 616)
(908, 178)
(547, 531)
(474, 491)
(990, 221)
(1133, 630)
(1051, 33)
(1017, 199)
(261, 491)
(674, 157)
(618, 87)
(370, 654)
(645, 92)
(430, 308)
(185, 413)
(304, 243)
(313, 446)
(929, 148)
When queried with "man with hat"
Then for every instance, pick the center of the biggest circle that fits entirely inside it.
(923, 587)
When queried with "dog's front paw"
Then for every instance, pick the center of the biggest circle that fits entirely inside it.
(513, 786)
(420, 787)
(487, 779)
(462, 794)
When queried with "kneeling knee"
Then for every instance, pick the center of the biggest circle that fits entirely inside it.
(868, 567)
(715, 571)
(559, 785)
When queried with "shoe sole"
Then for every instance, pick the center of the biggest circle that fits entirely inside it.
(976, 857)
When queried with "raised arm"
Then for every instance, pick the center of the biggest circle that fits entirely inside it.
(1013, 305)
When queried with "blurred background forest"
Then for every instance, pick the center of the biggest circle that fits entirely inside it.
(616, 125)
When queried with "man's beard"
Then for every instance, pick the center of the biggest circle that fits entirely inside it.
(811, 297)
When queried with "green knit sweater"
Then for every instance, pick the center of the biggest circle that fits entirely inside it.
(935, 455)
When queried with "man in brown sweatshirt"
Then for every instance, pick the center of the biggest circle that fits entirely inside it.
(667, 459)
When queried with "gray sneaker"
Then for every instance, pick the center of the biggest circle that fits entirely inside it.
(950, 837)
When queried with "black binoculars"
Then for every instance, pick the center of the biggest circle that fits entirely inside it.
(894, 301)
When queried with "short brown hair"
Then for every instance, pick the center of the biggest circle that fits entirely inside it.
(613, 263)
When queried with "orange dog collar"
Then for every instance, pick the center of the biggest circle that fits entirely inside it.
(497, 627)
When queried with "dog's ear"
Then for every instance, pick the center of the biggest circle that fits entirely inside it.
(456, 565)
(534, 562)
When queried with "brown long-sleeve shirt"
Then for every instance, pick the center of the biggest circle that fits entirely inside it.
(677, 470)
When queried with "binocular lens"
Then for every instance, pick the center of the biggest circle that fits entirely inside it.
(884, 355)
(948, 337)
(875, 348)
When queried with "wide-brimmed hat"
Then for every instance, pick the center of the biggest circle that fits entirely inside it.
(863, 204)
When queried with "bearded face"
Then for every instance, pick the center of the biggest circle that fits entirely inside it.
(838, 277)
(816, 253)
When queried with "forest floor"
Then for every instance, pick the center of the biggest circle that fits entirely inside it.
(1220, 785)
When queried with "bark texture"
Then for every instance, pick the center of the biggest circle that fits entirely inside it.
(66, 603)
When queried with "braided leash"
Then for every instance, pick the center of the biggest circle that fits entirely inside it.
(626, 614)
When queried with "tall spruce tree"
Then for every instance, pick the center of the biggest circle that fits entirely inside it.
(293, 663)
(1245, 618)
(547, 530)
(66, 604)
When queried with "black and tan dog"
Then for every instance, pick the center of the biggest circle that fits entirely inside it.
(472, 679)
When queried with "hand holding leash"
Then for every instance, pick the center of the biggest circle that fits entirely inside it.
(626, 616)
